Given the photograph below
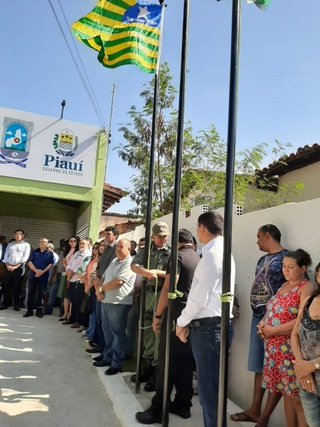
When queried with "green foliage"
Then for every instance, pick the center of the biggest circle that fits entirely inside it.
(203, 164)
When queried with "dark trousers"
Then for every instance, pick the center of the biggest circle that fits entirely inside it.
(76, 295)
(53, 294)
(181, 369)
(36, 285)
(12, 280)
(98, 333)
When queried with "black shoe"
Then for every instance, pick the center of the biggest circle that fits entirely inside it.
(98, 358)
(112, 371)
(3, 307)
(16, 308)
(149, 386)
(67, 322)
(182, 412)
(101, 363)
(150, 416)
(147, 372)
(39, 314)
(145, 377)
(28, 314)
(94, 350)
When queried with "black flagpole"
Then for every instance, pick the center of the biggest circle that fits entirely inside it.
(176, 207)
(149, 216)
(148, 231)
(228, 209)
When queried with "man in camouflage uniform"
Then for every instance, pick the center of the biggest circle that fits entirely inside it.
(154, 277)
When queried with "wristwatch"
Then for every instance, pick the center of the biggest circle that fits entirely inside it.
(316, 364)
(156, 316)
(101, 289)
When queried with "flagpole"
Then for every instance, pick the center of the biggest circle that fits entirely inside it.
(148, 216)
(176, 209)
(228, 210)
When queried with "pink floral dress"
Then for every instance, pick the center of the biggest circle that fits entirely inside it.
(278, 373)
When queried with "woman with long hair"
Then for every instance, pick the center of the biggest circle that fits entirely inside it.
(71, 248)
(305, 342)
(275, 328)
(88, 280)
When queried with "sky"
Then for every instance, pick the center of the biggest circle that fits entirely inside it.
(279, 88)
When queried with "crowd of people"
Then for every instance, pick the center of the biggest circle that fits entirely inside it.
(97, 289)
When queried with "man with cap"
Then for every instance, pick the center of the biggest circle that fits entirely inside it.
(154, 278)
(181, 359)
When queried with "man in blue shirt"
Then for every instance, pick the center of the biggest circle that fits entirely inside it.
(40, 262)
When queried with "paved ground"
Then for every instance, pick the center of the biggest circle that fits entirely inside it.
(47, 379)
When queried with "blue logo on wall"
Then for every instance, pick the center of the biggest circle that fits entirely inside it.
(15, 142)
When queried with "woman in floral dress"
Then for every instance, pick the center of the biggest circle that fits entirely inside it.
(276, 327)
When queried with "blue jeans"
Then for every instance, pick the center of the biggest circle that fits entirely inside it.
(98, 333)
(311, 408)
(205, 343)
(256, 349)
(114, 322)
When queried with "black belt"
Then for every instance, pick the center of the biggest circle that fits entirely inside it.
(205, 321)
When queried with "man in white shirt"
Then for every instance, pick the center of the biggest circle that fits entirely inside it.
(15, 257)
(201, 318)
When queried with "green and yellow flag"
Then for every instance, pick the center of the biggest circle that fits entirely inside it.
(262, 4)
(123, 32)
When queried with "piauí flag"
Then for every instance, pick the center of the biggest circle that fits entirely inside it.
(124, 32)
(262, 4)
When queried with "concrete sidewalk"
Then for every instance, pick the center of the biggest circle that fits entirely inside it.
(126, 403)
(47, 378)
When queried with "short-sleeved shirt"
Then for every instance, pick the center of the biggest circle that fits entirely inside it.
(107, 256)
(40, 260)
(187, 262)
(268, 279)
(120, 269)
(158, 261)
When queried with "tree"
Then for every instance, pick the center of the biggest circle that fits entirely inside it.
(136, 150)
(203, 164)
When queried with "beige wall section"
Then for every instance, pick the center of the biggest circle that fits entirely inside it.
(309, 176)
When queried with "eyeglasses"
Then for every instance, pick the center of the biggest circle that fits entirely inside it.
(72, 241)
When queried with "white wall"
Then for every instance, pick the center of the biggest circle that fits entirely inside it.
(298, 223)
